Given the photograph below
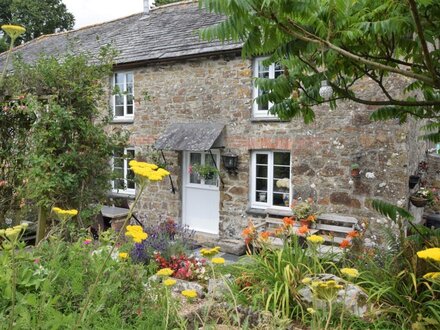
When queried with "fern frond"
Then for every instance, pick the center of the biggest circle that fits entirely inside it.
(391, 211)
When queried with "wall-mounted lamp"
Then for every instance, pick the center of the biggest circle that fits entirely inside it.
(230, 162)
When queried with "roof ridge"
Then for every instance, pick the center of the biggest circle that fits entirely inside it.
(174, 4)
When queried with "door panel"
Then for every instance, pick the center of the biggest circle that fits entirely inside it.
(201, 197)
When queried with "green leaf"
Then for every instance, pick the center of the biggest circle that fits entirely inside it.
(391, 211)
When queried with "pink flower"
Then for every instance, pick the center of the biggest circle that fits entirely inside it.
(36, 261)
(87, 241)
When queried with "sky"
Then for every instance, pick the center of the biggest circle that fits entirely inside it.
(88, 12)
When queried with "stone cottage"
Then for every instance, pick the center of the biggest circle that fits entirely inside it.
(192, 102)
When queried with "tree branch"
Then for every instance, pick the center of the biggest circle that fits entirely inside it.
(426, 54)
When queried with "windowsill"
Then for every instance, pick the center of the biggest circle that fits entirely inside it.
(267, 119)
(114, 194)
(122, 121)
(269, 211)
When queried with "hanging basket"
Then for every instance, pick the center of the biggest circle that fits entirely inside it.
(418, 201)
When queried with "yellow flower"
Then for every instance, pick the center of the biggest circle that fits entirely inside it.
(315, 239)
(350, 272)
(430, 254)
(189, 293)
(136, 233)
(306, 280)
(148, 171)
(218, 261)
(123, 255)
(165, 272)
(210, 252)
(12, 233)
(135, 228)
(169, 282)
(13, 31)
(432, 276)
(311, 310)
(64, 214)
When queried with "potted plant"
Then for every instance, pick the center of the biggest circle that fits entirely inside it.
(355, 170)
(205, 171)
(305, 212)
(421, 197)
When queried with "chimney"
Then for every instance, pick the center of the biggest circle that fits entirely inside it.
(148, 4)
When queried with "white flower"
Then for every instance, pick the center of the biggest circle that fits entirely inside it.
(370, 175)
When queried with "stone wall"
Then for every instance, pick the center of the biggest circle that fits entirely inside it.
(220, 89)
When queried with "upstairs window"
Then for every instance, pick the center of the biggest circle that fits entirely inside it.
(123, 176)
(270, 179)
(269, 72)
(123, 99)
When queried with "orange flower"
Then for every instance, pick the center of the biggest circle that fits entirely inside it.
(288, 221)
(246, 232)
(278, 231)
(311, 218)
(345, 244)
(264, 235)
(353, 234)
(303, 230)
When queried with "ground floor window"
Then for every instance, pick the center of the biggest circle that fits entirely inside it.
(270, 179)
(123, 177)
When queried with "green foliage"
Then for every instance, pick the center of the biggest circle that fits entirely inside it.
(53, 280)
(38, 16)
(397, 286)
(15, 123)
(391, 211)
(68, 150)
(342, 42)
(273, 277)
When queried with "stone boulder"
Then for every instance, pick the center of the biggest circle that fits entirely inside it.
(352, 296)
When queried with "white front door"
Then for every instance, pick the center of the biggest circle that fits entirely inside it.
(201, 196)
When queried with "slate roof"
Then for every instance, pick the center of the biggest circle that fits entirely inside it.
(167, 32)
(191, 136)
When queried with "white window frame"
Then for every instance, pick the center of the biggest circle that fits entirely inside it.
(127, 191)
(270, 176)
(257, 113)
(125, 116)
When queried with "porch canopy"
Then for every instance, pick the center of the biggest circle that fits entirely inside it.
(191, 137)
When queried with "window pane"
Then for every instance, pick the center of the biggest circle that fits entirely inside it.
(278, 200)
(119, 184)
(261, 159)
(129, 99)
(262, 184)
(194, 158)
(261, 196)
(129, 78)
(130, 184)
(263, 71)
(281, 158)
(278, 70)
(281, 172)
(119, 78)
(118, 162)
(119, 100)
(261, 171)
(129, 89)
(264, 105)
(129, 109)
(119, 110)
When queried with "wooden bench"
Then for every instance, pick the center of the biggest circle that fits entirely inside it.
(332, 227)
